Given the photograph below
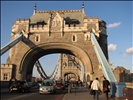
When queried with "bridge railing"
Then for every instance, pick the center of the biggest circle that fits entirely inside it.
(102, 59)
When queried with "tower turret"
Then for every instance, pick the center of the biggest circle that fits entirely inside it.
(83, 7)
(35, 9)
(103, 38)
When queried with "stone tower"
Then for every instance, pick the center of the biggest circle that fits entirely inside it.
(57, 31)
(70, 67)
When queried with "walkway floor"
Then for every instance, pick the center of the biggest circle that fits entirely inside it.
(76, 94)
(4, 90)
(83, 94)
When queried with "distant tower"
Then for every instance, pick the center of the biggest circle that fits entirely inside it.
(70, 67)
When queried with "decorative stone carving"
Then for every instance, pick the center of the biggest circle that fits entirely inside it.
(56, 24)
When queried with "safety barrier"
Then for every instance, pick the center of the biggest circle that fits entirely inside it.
(128, 93)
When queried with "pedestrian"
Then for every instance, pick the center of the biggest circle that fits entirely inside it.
(106, 88)
(77, 84)
(95, 86)
(69, 88)
(10, 82)
(90, 84)
(81, 83)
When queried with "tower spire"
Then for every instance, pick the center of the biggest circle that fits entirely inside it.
(83, 7)
(35, 8)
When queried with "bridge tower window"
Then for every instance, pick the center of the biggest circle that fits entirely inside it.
(5, 76)
(74, 38)
(37, 38)
(87, 37)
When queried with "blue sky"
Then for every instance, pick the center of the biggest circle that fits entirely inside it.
(117, 14)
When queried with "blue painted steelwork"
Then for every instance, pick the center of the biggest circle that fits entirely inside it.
(56, 73)
(75, 63)
(117, 89)
(102, 59)
(11, 44)
(40, 70)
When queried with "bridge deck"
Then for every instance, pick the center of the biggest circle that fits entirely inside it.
(83, 94)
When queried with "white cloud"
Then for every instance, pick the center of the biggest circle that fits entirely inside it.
(129, 51)
(113, 25)
(112, 47)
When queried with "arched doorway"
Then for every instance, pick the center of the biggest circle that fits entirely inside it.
(35, 53)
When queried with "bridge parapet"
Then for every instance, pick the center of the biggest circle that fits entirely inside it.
(6, 65)
(95, 19)
(60, 11)
(23, 20)
(117, 88)
(39, 28)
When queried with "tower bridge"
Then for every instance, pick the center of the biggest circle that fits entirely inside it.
(67, 69)
(60, 31)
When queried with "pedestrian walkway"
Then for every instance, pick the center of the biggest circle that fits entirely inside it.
(4, 90)
(83, 94)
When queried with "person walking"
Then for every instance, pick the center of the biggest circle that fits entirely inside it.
(90, 84)
(106, 88)
(69, 87)
(95, 86)
(10, 82)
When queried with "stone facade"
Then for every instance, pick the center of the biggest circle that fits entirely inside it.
(57, 31)
(71, 68)
(7, 72)
(122, 74)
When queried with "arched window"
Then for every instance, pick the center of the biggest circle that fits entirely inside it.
(74, 38)
(88, 78)
(37, 38)
(86, 37)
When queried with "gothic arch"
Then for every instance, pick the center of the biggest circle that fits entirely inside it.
(38, 51)
(70, 72)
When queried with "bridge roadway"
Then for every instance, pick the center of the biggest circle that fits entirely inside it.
(76, 94)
